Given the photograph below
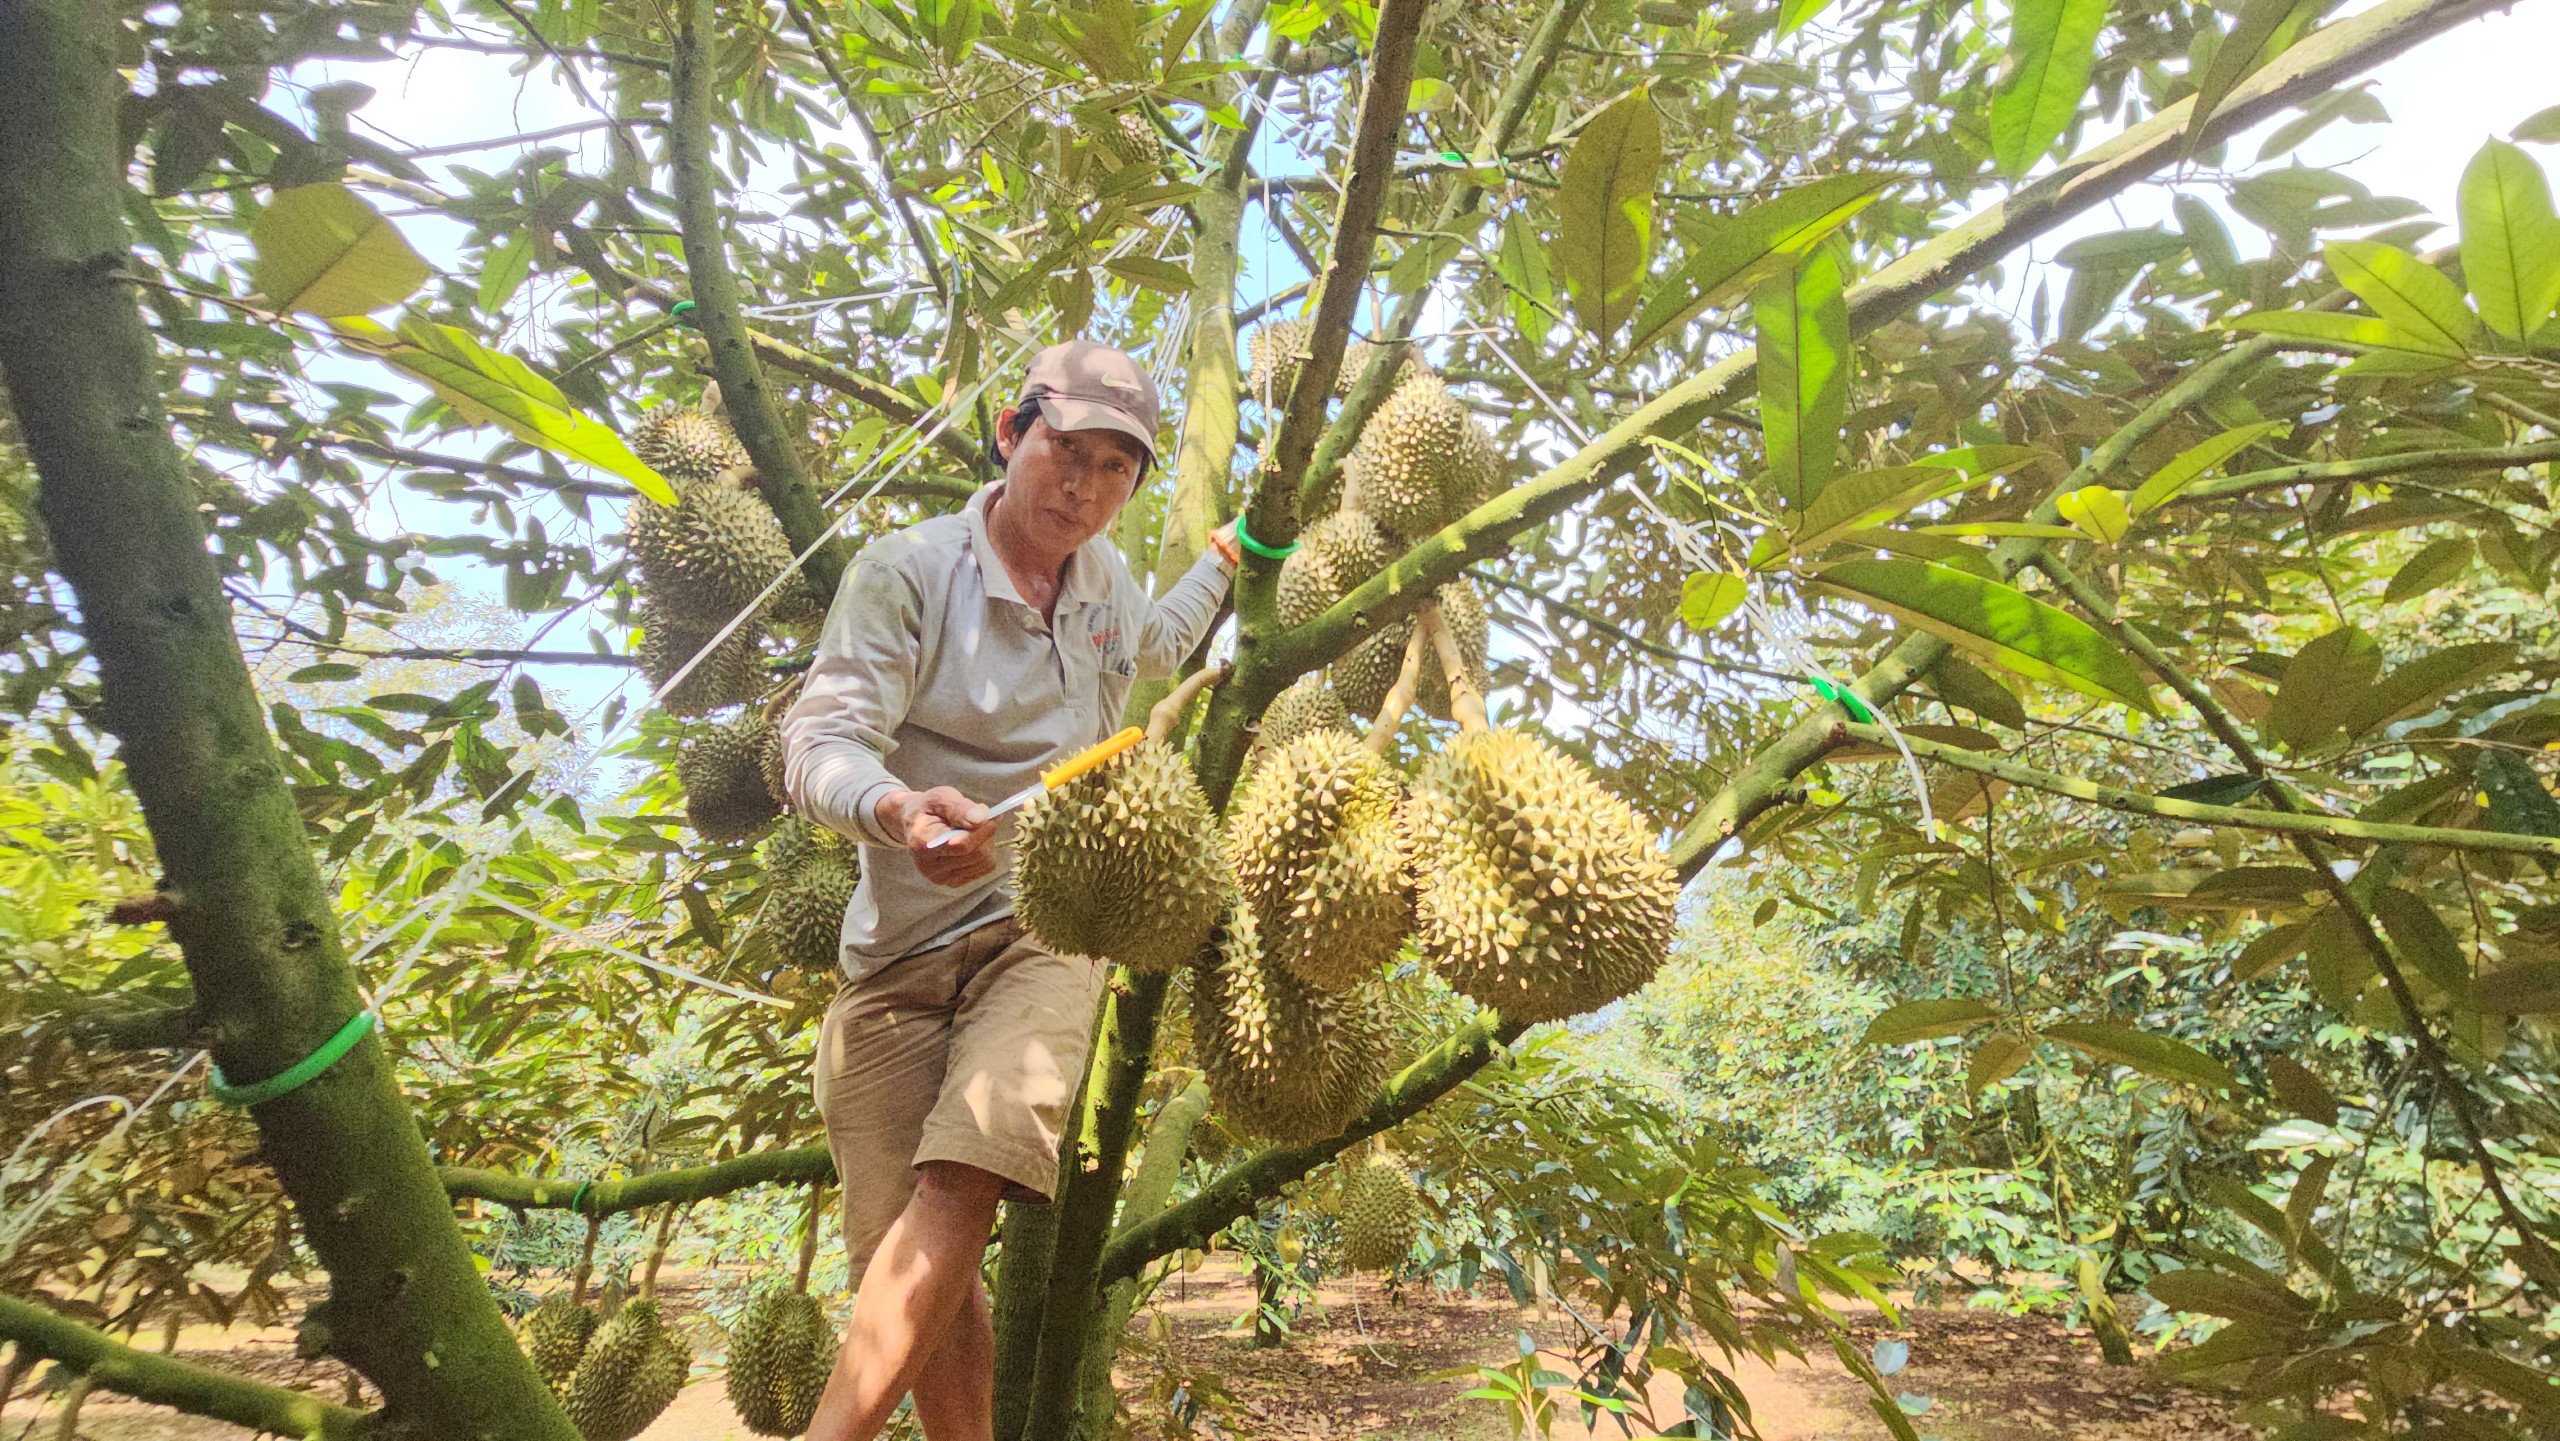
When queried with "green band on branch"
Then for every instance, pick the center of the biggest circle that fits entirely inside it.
(682, 314)
(1268, 552)
(301, 1073)
(1842, 697)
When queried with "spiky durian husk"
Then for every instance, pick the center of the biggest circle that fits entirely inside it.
(1537, 891)
(1355, 363)
(1123, 863)
(709, 556)
(1272, 358)
(1306, 707)
(1381, 1216)
(1333, 555)
(1410, 456)
(1481, 470)
(1313, 841)
(1285, 1061)
(685, 445)
(1364, 674)
(722, 772)
(633, 1368)
(732, 673)
(555, 1336)
(813, 873)
(1462, 611)
(780, 1352)
(769, 766)
(1126, 136)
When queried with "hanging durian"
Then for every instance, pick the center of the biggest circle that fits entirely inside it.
(1272, 358)
(1537, 891)
(1306, 707)
(811, 874)
(1125, 136)
(685, 445)
(709, 556)
(1481, 471)
(780, 1352)
(632, 1371)
(555, 1335)
(1363, 674)
(731, 674)
(1285, 1061)
(1334, 555)
(1314, 844)
(1123, 863)
(1411, 455)
(1355, 363)
(722, 770)
(1381, 1216)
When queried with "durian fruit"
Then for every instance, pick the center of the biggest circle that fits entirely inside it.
(1411, 455)
(1305, 708)
(555, 1335)
(1285, 1060)
(812, 873)
(1333, 555)
(1462, 611)
(685, 445)
(1123, 863)
(1272, 362)
(1363, 674)
(710, 555)
(1537, 891)
(780, 1352)
(1314, 844)
(632, 1370)
(1381, 1216)
(1355, 363)
(731, 674)
(1480, 470)
(723, 775)
(769, 766)
(1126, 137)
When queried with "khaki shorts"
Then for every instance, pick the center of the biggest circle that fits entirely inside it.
(968, 1052)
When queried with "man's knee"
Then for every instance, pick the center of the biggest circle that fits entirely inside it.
(958, 1186)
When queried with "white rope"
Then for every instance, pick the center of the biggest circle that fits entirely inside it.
(665, 968)
(20, 1227)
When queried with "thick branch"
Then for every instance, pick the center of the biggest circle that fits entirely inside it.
(743, 392)
(2371, 467)
(167, 1381)
(798, 1166)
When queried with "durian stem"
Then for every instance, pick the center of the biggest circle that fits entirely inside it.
(166, 1381)
(782, 698)
(809, 1237)
(1168, 712)
(586, 1262)
(658, 1247)
(1391, 713)
(1466, 703)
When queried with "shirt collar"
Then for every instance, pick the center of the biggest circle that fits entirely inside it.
(1088, 575)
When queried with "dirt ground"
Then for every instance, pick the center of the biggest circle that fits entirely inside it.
(1362, 1368)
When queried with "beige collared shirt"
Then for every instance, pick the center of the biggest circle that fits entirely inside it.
(933, 671)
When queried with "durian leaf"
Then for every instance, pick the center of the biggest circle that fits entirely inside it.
(2321, 684)
(2523, 988)
(490, 387)
(2352, 332)
(2416, 687)
(1803, 321)
(1709, 596)
(1794, 14)
(1604, 211)
(2409, 295)
(1872, 497)
(2164, 1057)
(2510, 240)
(2242, 51)
(322, 250)
(2165, 483)
(2439, 562)
(2052, 45)
(1729, 254)
(1997, 1059)
(1998, 621)
(1911, 1021)
(1959, 683)
(2098, 513)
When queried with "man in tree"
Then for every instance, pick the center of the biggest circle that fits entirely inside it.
(963, 655)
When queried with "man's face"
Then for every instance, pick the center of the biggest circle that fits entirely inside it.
(1072, 481)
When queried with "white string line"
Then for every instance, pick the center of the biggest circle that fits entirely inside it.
(667, 968)
(20, 1227)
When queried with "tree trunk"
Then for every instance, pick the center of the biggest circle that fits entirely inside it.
(251, 915)
(1159, 1167)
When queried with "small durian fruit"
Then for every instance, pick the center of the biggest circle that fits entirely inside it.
(1462, 611)
(1411, 454)
(1334, 555)
(1285, 1060)
(632, 1371)
(812, 873)
(709, 556)
(1355, 363)
(1305, 708)
(1363, 674)
(722, 772)
(1272, 362)
(1125, 136)
(1481, 471)
(1381, 1216)
(1313, 841)
(685, 445)
(554, 1336)
(780, 1352)
(1123, 863)
(731, 674)
(1537, 891)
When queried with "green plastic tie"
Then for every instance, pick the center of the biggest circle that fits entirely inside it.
(681, 313)
(1268, 552)
(1844, 698)
(579, 1196)
(301, 1073)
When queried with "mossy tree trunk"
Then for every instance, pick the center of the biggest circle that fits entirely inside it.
(247, 903)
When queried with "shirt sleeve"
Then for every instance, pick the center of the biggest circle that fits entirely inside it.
(1177, 623)
(837, 737)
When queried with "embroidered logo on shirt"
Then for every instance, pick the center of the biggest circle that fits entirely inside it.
(1108, 650)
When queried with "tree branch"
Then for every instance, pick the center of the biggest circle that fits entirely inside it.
(2371, 467)
(183, 1385)
(596, 1196)
(822, 44)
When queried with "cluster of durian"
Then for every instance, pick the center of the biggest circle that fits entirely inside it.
(1381, 1215)
(703, 561)
(810, 873)
(613, 1377)
(780, 1352)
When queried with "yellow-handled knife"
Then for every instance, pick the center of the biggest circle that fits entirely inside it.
(1051, 779)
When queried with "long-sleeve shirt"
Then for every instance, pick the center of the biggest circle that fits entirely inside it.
(933, 671)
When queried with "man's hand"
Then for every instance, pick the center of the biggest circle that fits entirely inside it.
(921, 816)
(1223, 541)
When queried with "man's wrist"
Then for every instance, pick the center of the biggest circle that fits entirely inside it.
(891, 812)
(1225, 545)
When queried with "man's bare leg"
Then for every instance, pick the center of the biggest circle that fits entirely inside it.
(955, 1390)
(916, 1288)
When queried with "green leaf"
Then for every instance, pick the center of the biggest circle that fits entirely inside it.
(1793, 14)
(2351, 332)
(1995, 620)
(2526, 988)
(2519, 802)
(1805, 358)
(490, 387)
(2441, 561)
(2191, 464)
(1154, 274)
(1960, 683)
(1604, 209)
(2219, 1293)
(2408, 294)
(321, 250)
(2163, 1057)
(1709, 596)
(1911, 1021)
(2321, 686)
(2417, 687)
(2542, 127)
(2538, 1392)
(1729, 254)
(2422, 939)
(2242, 51)
(2136, 248)
(1872, 497)
(2052, 45)
(2301, 1090)
(504, 272)
(2510, 240)
(2096, 512)
(331, 670)
(2228, 790)
(1996, 1060)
